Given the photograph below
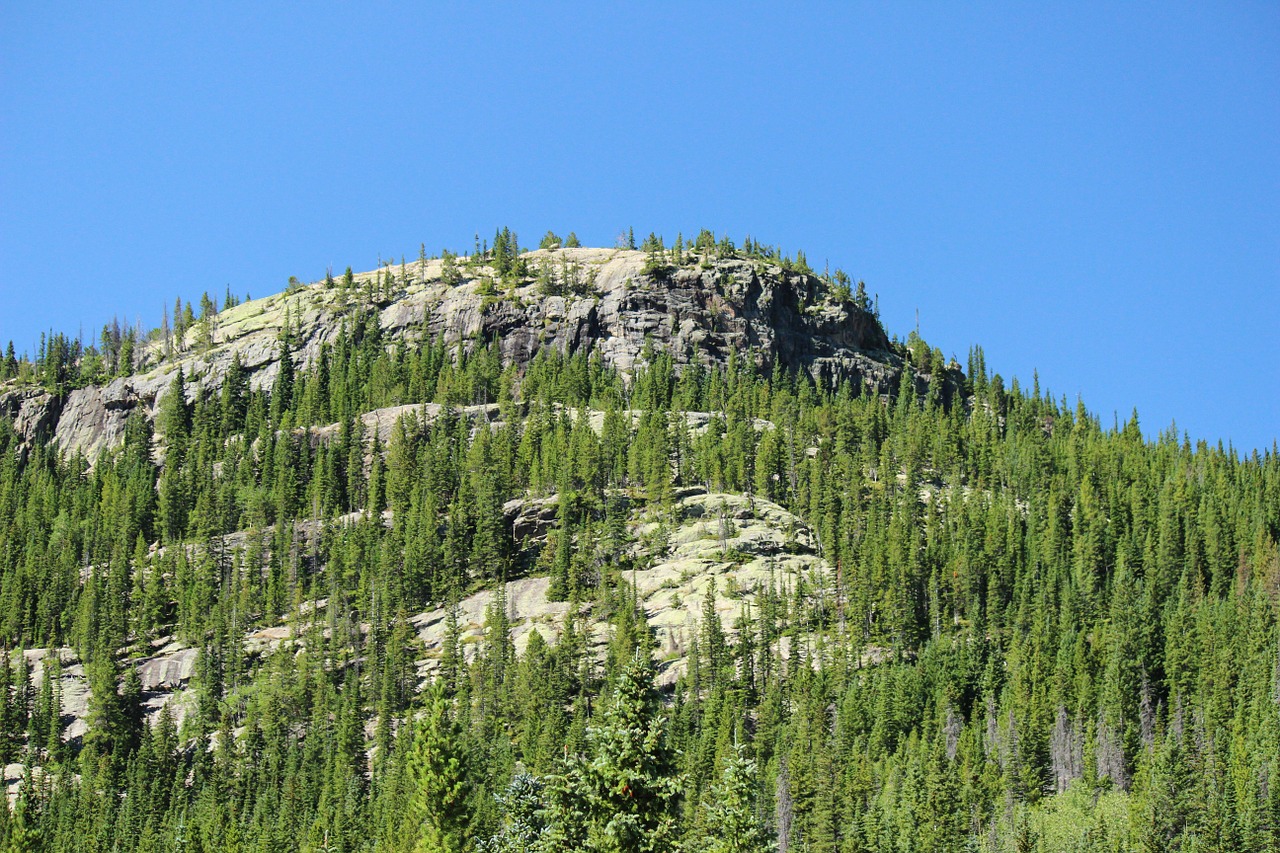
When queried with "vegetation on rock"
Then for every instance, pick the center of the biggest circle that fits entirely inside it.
(989, 622)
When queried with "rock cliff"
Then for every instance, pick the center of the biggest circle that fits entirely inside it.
(600, 300)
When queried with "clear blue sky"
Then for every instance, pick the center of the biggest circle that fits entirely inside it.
(1092, 191)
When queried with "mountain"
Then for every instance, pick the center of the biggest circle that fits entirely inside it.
(612, 549)
(609, 302)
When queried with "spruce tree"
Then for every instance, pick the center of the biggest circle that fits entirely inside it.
(441, 803)
(622, 796)
(523, 817)
(733, 821)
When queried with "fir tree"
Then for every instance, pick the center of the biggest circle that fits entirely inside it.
(623, 794)
(733, 820)
(443, 782)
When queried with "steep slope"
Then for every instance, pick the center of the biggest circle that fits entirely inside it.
(933, 626)
(730, 555)
(608, 301)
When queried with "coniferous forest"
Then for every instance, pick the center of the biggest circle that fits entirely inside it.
(1037, 631)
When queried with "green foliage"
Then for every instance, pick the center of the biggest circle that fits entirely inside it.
(505, 256)
(443, 785)
(656, 263)
(622, 795)
(449, 272)
(1038, 633)
(733, 821)
(523, 821)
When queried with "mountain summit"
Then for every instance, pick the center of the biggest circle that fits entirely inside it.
(708, 308)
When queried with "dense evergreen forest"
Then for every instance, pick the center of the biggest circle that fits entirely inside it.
(1040, 633)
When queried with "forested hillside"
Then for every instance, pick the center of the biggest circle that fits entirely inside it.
(959, 614)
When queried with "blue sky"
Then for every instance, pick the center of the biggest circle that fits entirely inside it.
(1090, 191)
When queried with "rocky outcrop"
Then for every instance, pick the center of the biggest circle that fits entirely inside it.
(164, 673)
(33, 412)
(700, 313)
(93, 418)
(745, 546)
(704, 312)
(530, 518)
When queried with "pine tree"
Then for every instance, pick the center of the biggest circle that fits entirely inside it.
(10, 726)
(124, 361)
(235, 397)
(24, 835)
(621, 796)
(175, 413)
(9, 364)
(444, 786)
(108, 721)
(562, 577)
(523, 819)
(733, 820)
(283, 387)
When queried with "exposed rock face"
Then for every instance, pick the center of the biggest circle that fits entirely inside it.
(786, 319)
(530, 518)
(704, 313)
(164, 674)
(744, 545)
(93, 418)
(34, 412)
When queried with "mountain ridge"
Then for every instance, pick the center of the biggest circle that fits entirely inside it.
(617, 303)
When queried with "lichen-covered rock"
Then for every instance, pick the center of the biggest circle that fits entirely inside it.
(165, 674)
(93, 418)
(745, 545)
(704, 313)
(170, 668)
(34, 412)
